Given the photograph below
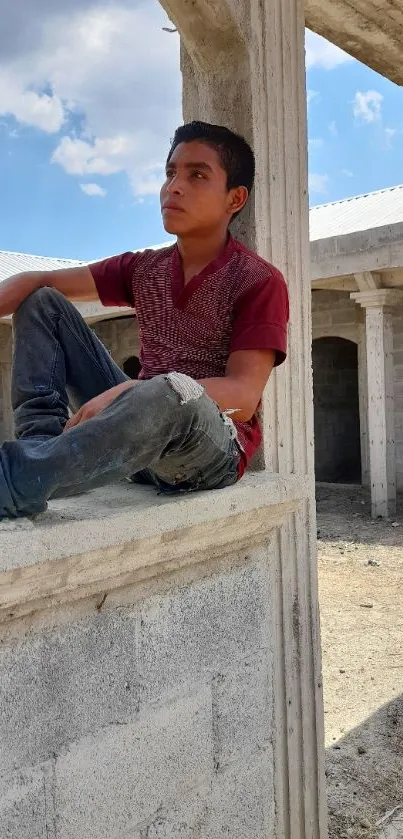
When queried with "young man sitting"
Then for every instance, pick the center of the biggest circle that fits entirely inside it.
(213, 323)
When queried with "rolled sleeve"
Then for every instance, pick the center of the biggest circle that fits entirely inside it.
(113, 279)
(261, 317)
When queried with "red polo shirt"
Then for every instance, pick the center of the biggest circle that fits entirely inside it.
(238, 302)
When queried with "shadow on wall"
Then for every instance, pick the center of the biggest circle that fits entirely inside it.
(336, 410)
(364, 773)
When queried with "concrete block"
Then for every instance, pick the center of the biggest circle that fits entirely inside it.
(242, 805)
(66, 682)
(23, 806)
(216, 621)
(344, 316)
(242, 709)
(110, 783)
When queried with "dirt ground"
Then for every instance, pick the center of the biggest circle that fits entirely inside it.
(360, 591)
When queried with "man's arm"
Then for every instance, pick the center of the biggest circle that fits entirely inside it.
(241, 389)
(74, 283)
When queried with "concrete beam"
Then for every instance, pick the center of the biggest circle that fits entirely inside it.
(377, 249)
(369, 30)
(208, 31)
(368, 281)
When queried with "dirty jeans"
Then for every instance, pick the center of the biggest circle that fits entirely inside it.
(165, 430)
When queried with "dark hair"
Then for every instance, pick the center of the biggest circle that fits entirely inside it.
(236, 156)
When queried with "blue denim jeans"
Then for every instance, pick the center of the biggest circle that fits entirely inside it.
(164, 431)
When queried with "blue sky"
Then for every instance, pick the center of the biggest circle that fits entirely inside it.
(89, 100)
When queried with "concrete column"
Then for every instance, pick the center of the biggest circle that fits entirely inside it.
(381, 420)
(243, 66)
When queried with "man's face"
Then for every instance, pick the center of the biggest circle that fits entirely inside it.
(194, 197)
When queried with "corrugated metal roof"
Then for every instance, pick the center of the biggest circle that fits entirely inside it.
(13, 263)
(364, 212)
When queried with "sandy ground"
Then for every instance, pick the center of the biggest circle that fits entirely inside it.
(360, 590)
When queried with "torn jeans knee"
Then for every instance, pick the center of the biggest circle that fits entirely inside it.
(187, 388)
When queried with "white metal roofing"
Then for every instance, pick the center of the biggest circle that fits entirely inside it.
(13, 263)
(365, 212)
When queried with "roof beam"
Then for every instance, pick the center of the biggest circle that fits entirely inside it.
(369, 30)
(368, 281)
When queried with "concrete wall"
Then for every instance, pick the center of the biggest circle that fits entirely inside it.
(398, 362)
(151, 719)
(120, 336)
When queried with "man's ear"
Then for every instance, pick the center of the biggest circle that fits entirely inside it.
(238, 197)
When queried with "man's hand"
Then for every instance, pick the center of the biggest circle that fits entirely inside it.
(98, 404)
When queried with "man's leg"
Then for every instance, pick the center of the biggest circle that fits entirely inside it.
(55, 356)
(167, 424)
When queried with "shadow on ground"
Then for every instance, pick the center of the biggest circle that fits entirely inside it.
(364, 772)
(351, 506)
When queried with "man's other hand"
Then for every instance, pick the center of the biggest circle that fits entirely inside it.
(98, 404)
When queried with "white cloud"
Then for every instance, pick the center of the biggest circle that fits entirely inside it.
(367, 107)
(315, 143)
(318, 184)
(389, 135)
(93, 189)
(312, 96)
(105, 73)
(321, 53)
(29, 107)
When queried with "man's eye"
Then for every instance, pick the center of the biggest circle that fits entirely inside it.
(197, 175)
(169, 173)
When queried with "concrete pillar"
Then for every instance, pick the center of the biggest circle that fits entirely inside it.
(381, 420)
(243, 66)
(363, 403)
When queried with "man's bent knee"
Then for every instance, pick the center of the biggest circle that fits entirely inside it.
(43, 297)
(188, 389)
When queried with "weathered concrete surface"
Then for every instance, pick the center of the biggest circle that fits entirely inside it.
(84, 546)
(380, 248)
(160, 713)
(370, 30)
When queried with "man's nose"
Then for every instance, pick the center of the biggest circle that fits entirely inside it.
(175, 186)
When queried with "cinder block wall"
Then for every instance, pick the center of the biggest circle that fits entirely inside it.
(120, 336)
(337, 421)
(151, 718)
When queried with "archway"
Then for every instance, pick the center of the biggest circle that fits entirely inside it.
(336, 411)
(132, 367)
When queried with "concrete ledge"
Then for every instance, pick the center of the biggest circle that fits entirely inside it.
(119, 535)
(379, 248)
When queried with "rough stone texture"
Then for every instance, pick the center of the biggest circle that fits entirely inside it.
(23, 804)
